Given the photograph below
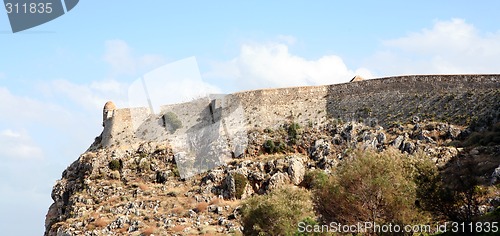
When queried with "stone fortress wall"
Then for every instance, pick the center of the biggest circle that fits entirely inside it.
(458, 99)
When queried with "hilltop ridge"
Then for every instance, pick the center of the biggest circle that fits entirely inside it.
(188, 168)
(387, 100)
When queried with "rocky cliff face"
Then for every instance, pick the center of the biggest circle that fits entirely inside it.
(136, 188)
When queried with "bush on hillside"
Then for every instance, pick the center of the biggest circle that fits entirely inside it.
(369, 187)
(314, 179)
(114, 165)
(455, 193)
(293, 132)
(172, 120)
(240, 182)
(271, 147)
(278, 212)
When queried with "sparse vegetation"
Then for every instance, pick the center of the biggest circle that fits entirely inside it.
(369, 187)
(293, 132)
(277, 213)
(172, 120)
(201, 206)
(143, 186)
(240, 182)
(271, 147)
(101, 222)
(114, 165)
(453, 192)
(178, 228)
(139, 192)
(489, 137)
(144, 165)
(314, 179)
(149, 231)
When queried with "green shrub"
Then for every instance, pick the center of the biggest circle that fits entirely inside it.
(455, 143)
(282, 147)
(175, 172)
(453, 192)
(276, 213)
(240, 182)
(369, 187)
(144, 165)
(269, 146)
(308, 221)
(428, 182)
(484, 138)
(114, 165)
(473, 139)
(172, 120)
(314, 179)
(293, 132)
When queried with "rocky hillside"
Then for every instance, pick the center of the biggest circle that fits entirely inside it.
(137, 190)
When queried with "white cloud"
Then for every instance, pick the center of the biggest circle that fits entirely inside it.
(9, 133)
(107, 86)
(18, 145)
(42, 133)
(445, 36)
(175, 82)
(24, 110)
(122, 60)
(91, 96)
(118, 55)
(29, 126)
(452, 46)
(272, 65)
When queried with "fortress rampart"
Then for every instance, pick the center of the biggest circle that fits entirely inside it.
(458, 99)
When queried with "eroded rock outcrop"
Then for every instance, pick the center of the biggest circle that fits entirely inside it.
(128, 186)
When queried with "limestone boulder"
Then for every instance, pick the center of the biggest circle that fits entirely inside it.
(278, 180)
(495, 176)
(321, 148)
(398, 142)
(381, 138)
(296, 170)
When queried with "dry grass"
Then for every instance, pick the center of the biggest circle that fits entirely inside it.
(267, 157)
(111, 201)
(176, 190)
(208, 230)
(143, 186)
(187, 201)
(202, 206)
(177, 210)
(222, 202)
(101, 222)
(232, 203)
(215, 201)
(124, 229)
(90, 227)
(95, 215)
(178, 228)
(110, 182)
(148, 231)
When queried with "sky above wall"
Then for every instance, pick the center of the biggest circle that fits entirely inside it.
(55, 78)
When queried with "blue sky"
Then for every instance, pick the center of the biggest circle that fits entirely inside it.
(55, 78)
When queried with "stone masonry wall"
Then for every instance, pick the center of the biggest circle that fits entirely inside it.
(458, 99)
